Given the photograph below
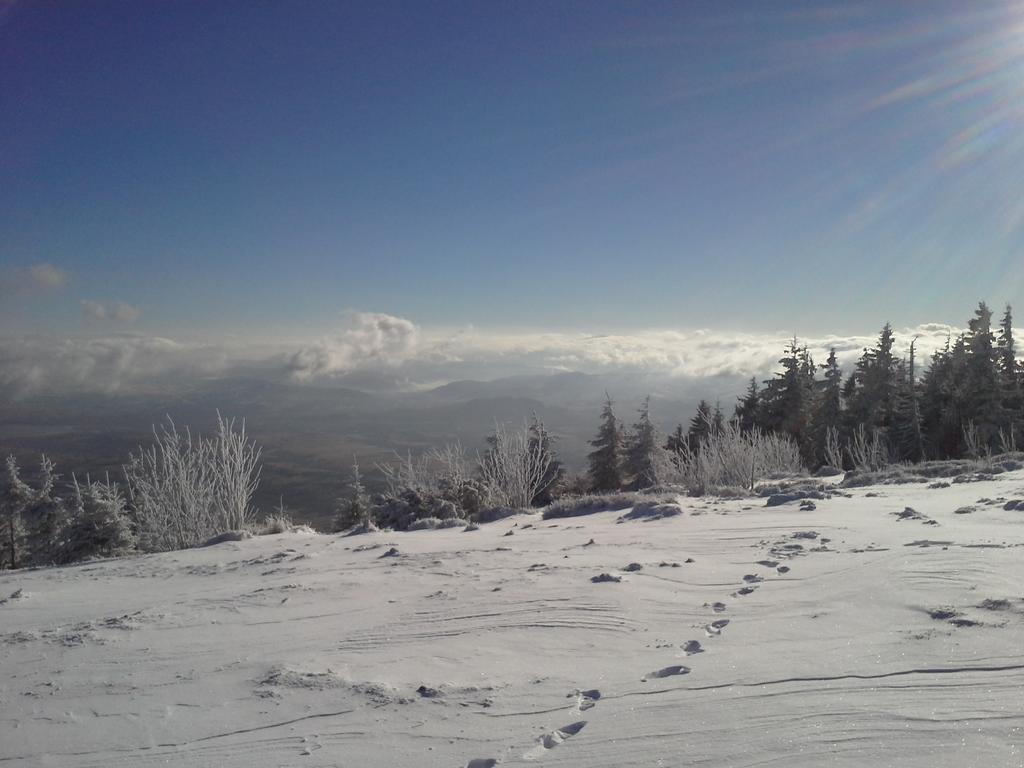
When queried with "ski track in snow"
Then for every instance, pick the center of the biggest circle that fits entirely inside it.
(837, 635)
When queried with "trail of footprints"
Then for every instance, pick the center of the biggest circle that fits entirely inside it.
(588, 699)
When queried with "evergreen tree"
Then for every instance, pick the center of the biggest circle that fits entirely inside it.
(908, 436)
(872, 396)
(789, 398)
(1010, 380)
(605, 468)
(1007, 350)
(46, 517)
(354, 511)
(99, 523)
(748, 408)
(700, 425)
(14, 497)
(642, 449)
(676, 441)
(984, 405)
(944, 395)
(717, 419)
(828, 413)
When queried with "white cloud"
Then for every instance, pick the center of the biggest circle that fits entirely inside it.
(36, 278)
(372, 340)
(32, 364)
(691, 354)
(97, 311)
(383, 350)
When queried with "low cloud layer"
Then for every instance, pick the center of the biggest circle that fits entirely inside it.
(375, 350)
(33, 279)
(371, 340)
(33, 364)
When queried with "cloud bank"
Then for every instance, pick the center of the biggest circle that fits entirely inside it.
(375, 350)
(372, 340)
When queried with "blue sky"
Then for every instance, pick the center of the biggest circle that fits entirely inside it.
(258, 168)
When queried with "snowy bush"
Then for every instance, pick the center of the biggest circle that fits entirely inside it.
(274, 524)
(433, 473)
(899, 474)
(604, 502)
(868, 452)
(731, 457)
(99, 523)
(441, 480)
(401, 512)
(515, 469)
(35, 520)
(184, 489)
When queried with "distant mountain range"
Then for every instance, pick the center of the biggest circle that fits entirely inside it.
(310, 433)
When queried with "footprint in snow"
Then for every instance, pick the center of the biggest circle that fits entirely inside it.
(482, 762)
(553, 739)
(751, 578)
(691, 647)
(586, 699)
(676, 669)
(716, 627)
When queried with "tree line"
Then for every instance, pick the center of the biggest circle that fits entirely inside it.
(967, 401)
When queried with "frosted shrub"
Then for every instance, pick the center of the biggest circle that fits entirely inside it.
(99, 524)
(515, 469)
(186, 489)
(431, 474)
(730, 457)
(439, 480)
(868, 453)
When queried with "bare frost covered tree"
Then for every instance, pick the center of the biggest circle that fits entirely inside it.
(185, 489)
(728, 456)
(431, 473)
(515, 469)
(868, 452)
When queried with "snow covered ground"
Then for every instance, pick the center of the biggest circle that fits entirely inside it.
(843, 635)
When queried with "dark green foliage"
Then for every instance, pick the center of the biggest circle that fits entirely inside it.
(676, 441)
(970, 398)
(828, 407)
(907, 433)
(606, 458)
(700, 425)
(642, 450)
(871, 398)
(748, 409)
(789, 399)
(1011, 383)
